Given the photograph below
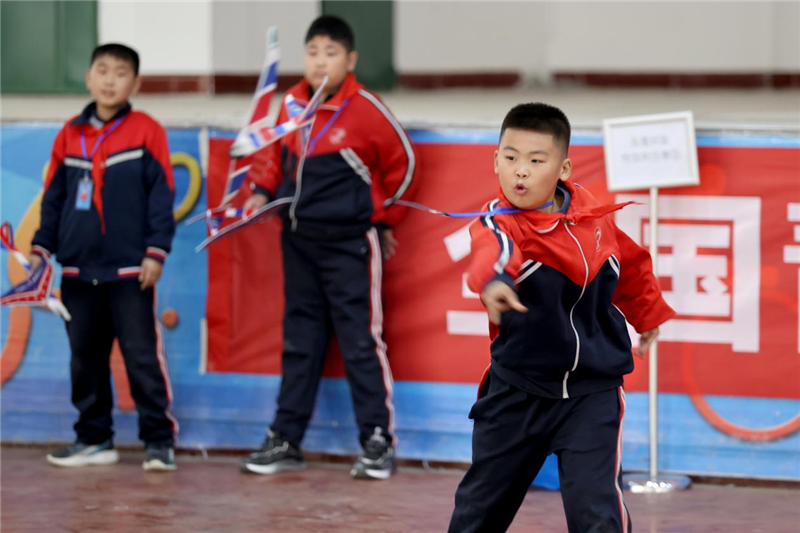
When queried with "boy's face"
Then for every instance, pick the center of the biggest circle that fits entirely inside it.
(326, 57)
(530, 165)
(111, 81)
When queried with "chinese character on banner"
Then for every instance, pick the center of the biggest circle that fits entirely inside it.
(709, 264)
(464, 322)
(791, 254)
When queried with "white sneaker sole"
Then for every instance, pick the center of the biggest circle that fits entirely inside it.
(155, 465)
(370, 473)
(106, 457)
(273, 468)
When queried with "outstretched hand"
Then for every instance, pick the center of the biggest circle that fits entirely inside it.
(498, 298)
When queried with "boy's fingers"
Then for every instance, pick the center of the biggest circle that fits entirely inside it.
(34, 261)
(646, 340)
(516, 305)
(510, 300)
(644, 344)
(146, 278)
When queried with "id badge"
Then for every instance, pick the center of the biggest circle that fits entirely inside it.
(83, 201)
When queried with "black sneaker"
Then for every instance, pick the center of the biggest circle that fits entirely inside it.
(81, 454)
(377, 460)
(159, 459)
(275, 455)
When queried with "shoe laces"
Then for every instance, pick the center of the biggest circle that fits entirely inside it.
(377, 442)
(76, 447)
(273, 443)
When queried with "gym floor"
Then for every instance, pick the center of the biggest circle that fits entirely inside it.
(212, 495)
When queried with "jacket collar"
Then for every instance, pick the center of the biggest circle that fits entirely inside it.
(350, 87)
(89, 110)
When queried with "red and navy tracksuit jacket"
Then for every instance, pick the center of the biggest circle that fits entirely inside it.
(554, 385)
(580, 277)
(128, 216)
(131, 214)
(358, 163)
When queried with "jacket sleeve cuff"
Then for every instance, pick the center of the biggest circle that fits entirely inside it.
(41, 251)
(257, 189)
(506, 278)
(156, 253)
(654, 317)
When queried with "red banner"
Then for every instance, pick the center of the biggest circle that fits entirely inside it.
(728, 262)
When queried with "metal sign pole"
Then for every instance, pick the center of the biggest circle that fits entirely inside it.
(653, 483)
(653, 369)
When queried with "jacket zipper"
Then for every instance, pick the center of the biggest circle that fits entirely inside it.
(299, 179)
(571, 311)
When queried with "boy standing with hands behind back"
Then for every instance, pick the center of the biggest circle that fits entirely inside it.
(558, 280)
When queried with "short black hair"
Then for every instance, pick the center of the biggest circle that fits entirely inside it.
(120, 51)
(334, 28)
(542, 118)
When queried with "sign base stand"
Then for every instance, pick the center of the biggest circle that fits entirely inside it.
(662, 484)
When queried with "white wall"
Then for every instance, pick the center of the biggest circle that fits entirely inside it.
(171, 37)
(687, 37)
(533, 38)
(432, 37)
(239, 34)
(539, 38)
(786, 37)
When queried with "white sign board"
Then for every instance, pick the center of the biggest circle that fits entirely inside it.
(650, 151)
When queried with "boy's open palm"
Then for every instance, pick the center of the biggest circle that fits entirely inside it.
(498, 298)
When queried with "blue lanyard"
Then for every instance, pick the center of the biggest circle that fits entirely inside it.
(472, 214)
(100, 140)
(325, 128)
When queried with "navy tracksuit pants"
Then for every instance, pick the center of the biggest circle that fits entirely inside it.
(333, 286)
(513, 434)
(99, 314)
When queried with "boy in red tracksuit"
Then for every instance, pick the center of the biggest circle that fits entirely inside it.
(107, 216)
(558, 280)
(344, 183)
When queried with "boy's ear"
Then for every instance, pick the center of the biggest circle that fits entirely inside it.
(496, 165)
(137, 84)
(352, 60)
(88, 74)
(566, 169)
